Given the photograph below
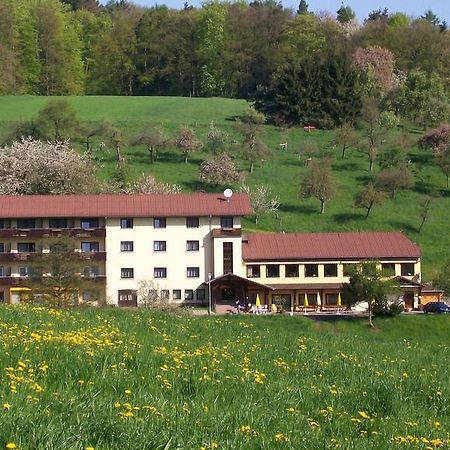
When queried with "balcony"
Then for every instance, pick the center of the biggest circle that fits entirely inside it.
(226, 232)
(93, 256)
(52, 232)
(11, 257)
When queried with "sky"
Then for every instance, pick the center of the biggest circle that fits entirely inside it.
(362, 8)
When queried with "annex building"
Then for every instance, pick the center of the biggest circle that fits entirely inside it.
(187, 245)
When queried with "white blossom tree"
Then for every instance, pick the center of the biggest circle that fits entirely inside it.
(34, 167)
(262, 200)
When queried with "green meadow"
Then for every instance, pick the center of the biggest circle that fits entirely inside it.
(282, 172)
(113, 379)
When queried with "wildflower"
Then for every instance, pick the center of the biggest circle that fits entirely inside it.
(6, 406)
(405, 375)
(364, 415)
(89, 448)
(127, 391)
(280, 437)
(10, 445)
(437, 424)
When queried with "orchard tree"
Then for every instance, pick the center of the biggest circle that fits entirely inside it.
(262, 200)
(394, 179)
(186, 141)
(114, 138)
(220, 170)
(372, 132)
(345, 137)
(33, 167)
(253, 148)
(436, 137)
(153, 139)
(424, 211)
(216, 140)
(369, 197)
(148, 184)
(318, 183)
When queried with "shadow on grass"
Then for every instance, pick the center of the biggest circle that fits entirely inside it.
(346, 167)
(299, 209)
(348, 217)
(403, 226)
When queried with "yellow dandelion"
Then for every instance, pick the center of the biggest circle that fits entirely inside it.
(6, 406)
(128, 391)
(364, 415)
(11, 445)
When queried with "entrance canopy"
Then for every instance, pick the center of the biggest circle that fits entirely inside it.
(231, 278)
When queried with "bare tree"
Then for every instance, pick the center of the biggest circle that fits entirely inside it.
(373, 134)
(345, 137)
(262, 200)
(219, 170)
(424, 211)
(187, 142)
(394, 179)
(369, 197)
(318, 183)
(153, 139)
(33, 167)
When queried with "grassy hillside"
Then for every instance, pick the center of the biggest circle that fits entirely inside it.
(283, 172)
(79, 379)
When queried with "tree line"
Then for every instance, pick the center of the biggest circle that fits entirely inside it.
(62, 47)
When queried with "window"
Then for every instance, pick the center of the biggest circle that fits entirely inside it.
(272, 270)
(388, 269)
(159, 222)
(2, 297)
(2, 271)
(176, 294)
(226, 222)
(126, 246)
(26, 247)
(87, 296)
(227, 257)
(331, 299)
(24, 271)
(160, 272)
(253, 271)
(193, 272)
(2, 247)
(5, 223)
(164, 294)
(127, 297)
(159, 246)
(192, 246)
(89, 223)
(90, 246)
(91, 271)
(330, 270)
(311, 270)
(127, 272)
(291, 270)
(57, 223)
(192, 222)
(26, 223)
(201, 294)
(408, 269)
(188, 294)
(126, 222)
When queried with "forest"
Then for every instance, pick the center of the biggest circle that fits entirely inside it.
(226, 49)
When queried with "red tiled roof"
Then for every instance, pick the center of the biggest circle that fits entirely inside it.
(308, 246)
(121, 205)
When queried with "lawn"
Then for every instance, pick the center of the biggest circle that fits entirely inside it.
(115, 379)
(283, 172)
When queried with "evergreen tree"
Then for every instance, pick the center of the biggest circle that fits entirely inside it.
(345, 14)
(302, 7)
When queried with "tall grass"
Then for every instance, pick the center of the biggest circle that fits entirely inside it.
(109, 379)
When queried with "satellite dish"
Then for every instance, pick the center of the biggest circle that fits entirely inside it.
(228, 193)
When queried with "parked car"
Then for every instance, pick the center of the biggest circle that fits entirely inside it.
(436, 307)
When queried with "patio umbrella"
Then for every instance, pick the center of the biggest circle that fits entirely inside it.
(258, 301)
(319, 301)
(339, 301)
(305, 301)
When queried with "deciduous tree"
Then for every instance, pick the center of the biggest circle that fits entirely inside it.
(186, 141)
(153, 139)
(220, 170)
(345, 137)
(369, 197)
(318, 183)
(262, 200)
(394, 179)
(33, 167)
